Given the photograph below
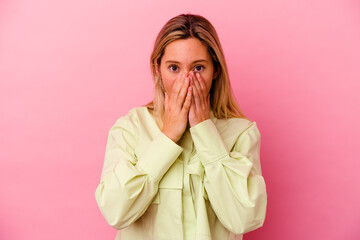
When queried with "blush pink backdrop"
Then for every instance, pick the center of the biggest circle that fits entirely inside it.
(69, 69)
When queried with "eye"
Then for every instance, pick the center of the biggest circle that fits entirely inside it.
(173, 68)
(198, 68)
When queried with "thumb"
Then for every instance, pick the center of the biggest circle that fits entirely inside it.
(166, 99)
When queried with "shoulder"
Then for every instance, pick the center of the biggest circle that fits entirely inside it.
(249, 131)
(235, 125)
(130, 120)
(234, 129)
(133, 119)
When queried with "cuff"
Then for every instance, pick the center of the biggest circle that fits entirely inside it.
(160, 155)
(208, 142)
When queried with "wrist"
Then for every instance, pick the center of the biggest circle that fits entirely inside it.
(197, 121)
(174, 139)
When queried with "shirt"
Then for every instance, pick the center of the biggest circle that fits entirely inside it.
(206, 186)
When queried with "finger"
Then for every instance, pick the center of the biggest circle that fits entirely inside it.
(188, 100)
(201, 85)
(183, 92)
(191, 80)
(192, 104)
(196, 96)
(175, 88)
(198, 88)
(208, 100)
(202, 82)
(166, 99)
(178, 84)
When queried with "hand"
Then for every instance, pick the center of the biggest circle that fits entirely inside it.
(177, 105)
(200, 104)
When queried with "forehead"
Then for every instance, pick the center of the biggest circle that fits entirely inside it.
(183, 50)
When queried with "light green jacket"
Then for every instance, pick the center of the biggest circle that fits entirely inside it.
(206, 186)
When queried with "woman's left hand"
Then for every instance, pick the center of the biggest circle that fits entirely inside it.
(200, 102)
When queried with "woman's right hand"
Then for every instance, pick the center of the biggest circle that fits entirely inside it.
(177, 105)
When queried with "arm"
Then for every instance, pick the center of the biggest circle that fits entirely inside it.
(233, 180)
(128, 183)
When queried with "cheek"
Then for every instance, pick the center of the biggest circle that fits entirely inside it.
(168, 83)
(208, 81)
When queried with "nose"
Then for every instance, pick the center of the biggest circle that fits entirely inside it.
(188, 72)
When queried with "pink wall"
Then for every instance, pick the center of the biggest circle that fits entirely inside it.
(69, 69)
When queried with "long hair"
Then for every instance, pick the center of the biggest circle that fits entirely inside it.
(222, 100)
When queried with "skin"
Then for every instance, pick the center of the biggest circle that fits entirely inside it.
(187, 71)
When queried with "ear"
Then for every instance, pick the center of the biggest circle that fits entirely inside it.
(157, 69)
(216, 72)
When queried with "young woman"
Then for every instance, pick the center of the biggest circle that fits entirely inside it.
(186, 165)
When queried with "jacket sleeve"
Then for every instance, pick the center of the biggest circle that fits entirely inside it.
(232, 180)
(129, 183)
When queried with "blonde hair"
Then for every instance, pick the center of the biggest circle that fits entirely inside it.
(222, 100)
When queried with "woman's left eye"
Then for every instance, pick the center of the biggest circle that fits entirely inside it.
(199, 68)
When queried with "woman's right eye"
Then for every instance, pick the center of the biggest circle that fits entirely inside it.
(173, 68)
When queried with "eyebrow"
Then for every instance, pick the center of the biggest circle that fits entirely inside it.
(173, 61)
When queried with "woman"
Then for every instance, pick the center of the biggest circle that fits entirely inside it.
(186, 165)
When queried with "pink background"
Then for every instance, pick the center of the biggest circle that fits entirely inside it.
(69, 69)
